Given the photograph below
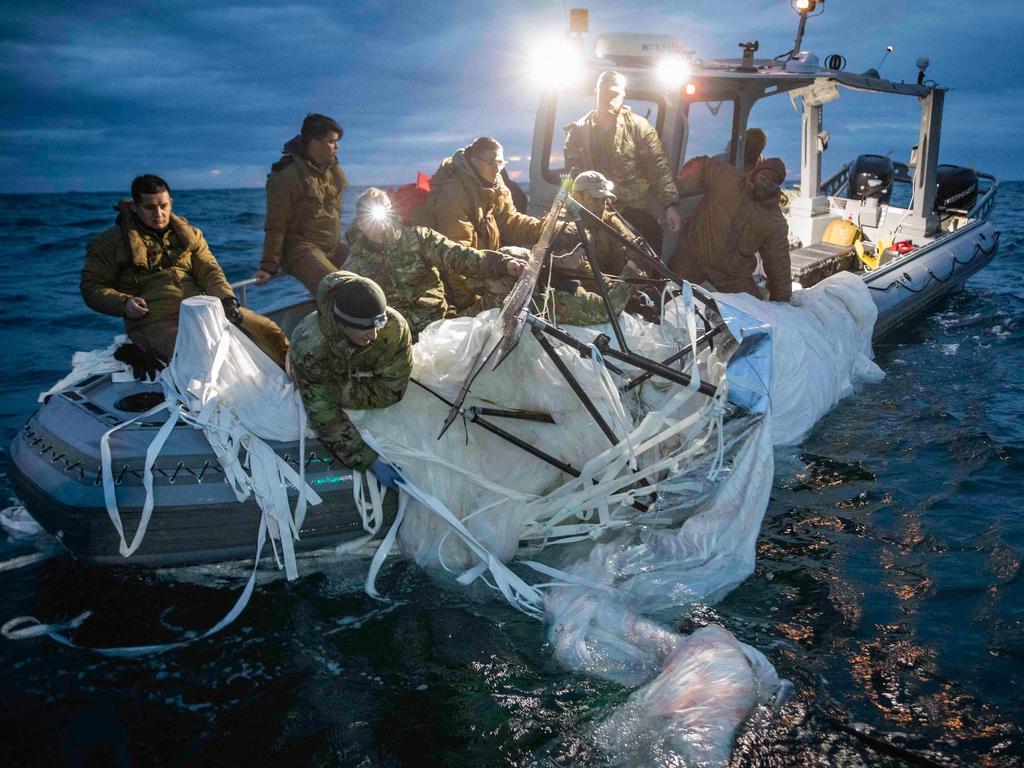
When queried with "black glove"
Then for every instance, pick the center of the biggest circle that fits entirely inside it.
(232, 311)
(145, 364)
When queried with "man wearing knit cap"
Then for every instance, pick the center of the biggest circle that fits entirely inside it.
(354, 352)
(739, 218)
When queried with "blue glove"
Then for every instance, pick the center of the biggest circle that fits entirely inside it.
(386, 472)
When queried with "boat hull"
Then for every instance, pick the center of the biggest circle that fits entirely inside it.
(907, 288)
(55, 470)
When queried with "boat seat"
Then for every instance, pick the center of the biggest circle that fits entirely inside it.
(813, 263)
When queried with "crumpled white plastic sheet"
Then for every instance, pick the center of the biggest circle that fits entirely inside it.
(821, 348)
(603, 612)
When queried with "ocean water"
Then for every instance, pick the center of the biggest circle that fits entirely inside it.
(888, 586)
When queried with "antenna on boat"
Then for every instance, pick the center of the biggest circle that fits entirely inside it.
(888, 50)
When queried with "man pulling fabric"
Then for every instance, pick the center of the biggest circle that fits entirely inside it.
(738, 218)
(354, 352)
(150, 261)
(407, 262)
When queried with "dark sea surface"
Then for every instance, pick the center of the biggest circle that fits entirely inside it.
(888, 586)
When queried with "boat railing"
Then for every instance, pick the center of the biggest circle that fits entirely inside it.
(983, 206)
(836, 182)
(241, 289)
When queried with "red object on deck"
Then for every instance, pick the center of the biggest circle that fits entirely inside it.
(408, 197)
(903, 246)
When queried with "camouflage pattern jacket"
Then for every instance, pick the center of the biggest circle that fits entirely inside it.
(333, 374)
(303, 205)
(128, 260)
(729, 227)
(409, 269)
(637, 167)
(578, 305)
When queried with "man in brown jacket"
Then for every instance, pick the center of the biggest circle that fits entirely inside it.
(304, 194)
(626, 149)
(738, 218)
(144, 266)
(470, 204)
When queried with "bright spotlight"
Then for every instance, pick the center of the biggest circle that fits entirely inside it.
(557, 63)
(380, 213)
(673, 71)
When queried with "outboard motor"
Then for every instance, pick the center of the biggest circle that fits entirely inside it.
(871, 176)
(957, 188)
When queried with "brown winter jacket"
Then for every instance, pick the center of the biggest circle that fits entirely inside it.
(729, 228)
(303, 206)
(127, 261)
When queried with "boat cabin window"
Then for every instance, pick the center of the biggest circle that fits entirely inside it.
(571, 107)
(709, 127)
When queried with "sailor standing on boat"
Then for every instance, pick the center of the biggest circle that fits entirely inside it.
(738, 218)
(150, 261)
(354, 352)
(304, 195)
(626, 149)
(407, 262)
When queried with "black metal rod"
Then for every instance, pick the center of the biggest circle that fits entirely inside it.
(701, 340)
(677, 377)
(567, 338)
(543, 418)
(595, 268)
(506, 436)
(645, 255)
(575, 385)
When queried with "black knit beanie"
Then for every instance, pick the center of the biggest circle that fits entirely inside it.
(360, 303)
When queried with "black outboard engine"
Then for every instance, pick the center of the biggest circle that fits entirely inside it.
(957, 189)
(871, 176)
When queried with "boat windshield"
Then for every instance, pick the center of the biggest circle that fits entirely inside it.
(709, 127)
(571, 107)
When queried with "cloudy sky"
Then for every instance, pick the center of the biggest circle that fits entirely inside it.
(205, 94)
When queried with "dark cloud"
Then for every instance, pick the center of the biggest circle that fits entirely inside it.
(93, 92)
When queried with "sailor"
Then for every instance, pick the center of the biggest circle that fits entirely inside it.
(626, 149)
(304, 194)
(470, 204)
(567, 293)
(754, 142)
(407, 261)
(354, 352)
(739, 217)
(144, 266)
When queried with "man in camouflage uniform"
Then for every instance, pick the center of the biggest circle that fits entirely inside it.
(151, 260)
(354, 352)
(304, 194)
(626, 149)
(574, 301)
(407, 262)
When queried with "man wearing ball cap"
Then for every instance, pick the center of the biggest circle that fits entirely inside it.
(354, 352)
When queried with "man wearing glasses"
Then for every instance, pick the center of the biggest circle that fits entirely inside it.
(738, 218)
(470, 204)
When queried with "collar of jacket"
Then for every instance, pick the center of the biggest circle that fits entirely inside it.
(461, 163)
(297, 151)
(132, 234)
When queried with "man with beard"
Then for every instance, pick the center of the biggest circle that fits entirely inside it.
(625, 148)
(304, 192)
(739, 217)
